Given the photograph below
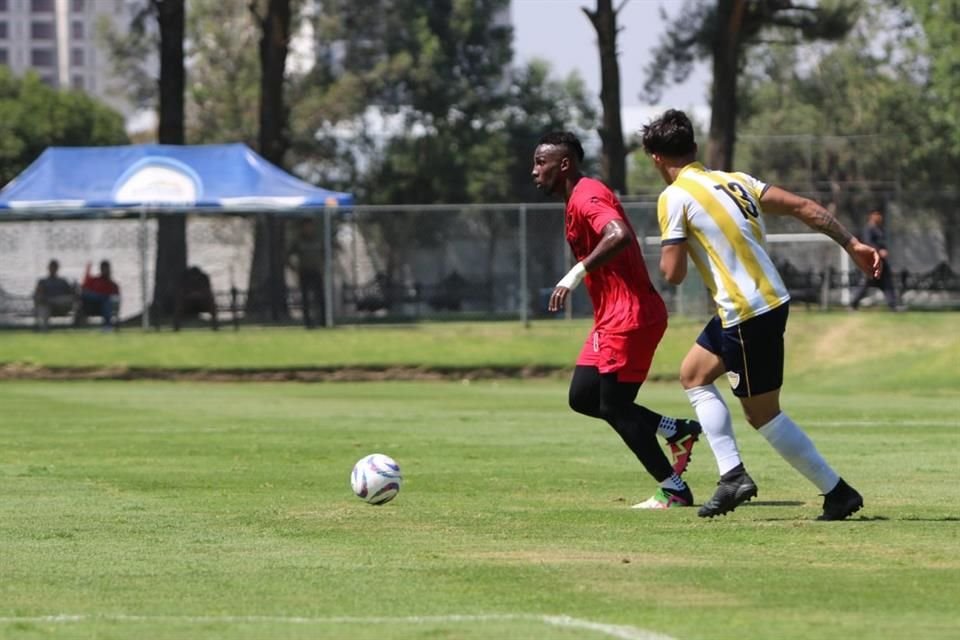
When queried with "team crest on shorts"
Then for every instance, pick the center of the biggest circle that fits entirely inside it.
(734, 379)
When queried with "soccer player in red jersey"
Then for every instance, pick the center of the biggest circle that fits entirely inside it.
(629, 318)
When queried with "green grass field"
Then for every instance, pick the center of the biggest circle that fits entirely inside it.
(223, 510)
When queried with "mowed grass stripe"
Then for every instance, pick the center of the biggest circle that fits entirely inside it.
(170, 499)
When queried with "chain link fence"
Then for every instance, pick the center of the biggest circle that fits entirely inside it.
(404, 263)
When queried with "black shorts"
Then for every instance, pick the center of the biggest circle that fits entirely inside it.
(752, 351)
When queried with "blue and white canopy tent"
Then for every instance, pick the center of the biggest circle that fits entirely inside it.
(148, 181)
(227, 177)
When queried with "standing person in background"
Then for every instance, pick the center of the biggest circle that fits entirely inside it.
(306, 258)
(629, 319)
(873, 235)
(715, 218)
(52, 295)
(100, 295)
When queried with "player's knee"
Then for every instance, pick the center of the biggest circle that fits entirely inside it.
(689, 379)
(585, 402)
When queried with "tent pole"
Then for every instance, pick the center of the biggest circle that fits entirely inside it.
(145, 315)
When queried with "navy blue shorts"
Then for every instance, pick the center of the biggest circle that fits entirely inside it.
(752, 351)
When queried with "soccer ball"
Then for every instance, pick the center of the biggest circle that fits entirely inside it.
(376, 478)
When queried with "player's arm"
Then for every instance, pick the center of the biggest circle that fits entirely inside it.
(673, 261)
(671, 217)
(614, 238)
(815, 216)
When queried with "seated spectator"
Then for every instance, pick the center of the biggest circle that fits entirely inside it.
(53, 296)
(99, 295)
(194, 296)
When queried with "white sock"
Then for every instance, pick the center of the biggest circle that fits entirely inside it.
(796, 448)
(674, 482)
(667, 427)
(714, 416)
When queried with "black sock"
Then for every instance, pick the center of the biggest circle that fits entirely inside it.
(734, 473)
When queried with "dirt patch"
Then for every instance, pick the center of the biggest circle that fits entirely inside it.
(25, 371)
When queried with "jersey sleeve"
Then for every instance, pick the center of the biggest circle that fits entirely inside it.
(671, 214)
(756, 187)
(597, 206)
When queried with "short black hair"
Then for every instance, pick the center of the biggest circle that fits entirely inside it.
(563, 139)
(670, 135)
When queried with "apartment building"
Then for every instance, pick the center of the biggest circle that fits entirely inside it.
(58, 39)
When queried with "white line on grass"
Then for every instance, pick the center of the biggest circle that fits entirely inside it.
(881, 423)
(622, 632)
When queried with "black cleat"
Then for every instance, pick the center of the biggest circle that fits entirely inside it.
(841, 502)
(729, 495)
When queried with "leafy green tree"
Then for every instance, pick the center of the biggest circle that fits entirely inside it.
(939, 51)
(865, 124)
(434, 68)
(224, 80)
(724, 32)
(935, 154)
(34, 116)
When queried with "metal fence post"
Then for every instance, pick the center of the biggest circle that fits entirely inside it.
(145, 315)
(328, 266)
(524, 286)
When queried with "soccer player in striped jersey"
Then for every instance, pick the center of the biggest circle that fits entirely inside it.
(629, 318)
(716, 218)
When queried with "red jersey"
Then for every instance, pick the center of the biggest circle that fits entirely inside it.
(623, 297)
(99, 284)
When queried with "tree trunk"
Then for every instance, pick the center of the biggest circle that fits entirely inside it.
(723, 99)
(613, 164)
(268, 288)
(171, 230)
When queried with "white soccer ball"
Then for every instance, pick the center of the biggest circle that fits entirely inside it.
(376, 478)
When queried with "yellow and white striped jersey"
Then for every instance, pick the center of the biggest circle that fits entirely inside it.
(718, 215)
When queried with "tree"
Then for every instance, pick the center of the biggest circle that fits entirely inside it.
(267, 284)
(936, 156)
(724, 32)
(156, 32)
(405, 68)
(864, 124)
(223, 87)
(34, 116)
(613, 165)
(171, 230)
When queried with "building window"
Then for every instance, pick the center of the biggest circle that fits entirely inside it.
(4, 56)
(41, 30)
(4, 29)
(76, 57)
(48, 80)
(77, 6)
(41, 57)
(77, 83)
(41, 6)
(76, 30)
(3, 5)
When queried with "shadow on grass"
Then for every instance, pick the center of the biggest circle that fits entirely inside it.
(863, 518)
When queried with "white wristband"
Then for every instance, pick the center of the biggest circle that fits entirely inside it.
(573, 277)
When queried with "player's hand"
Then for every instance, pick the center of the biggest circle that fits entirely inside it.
(866, 258)
(558, 298)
